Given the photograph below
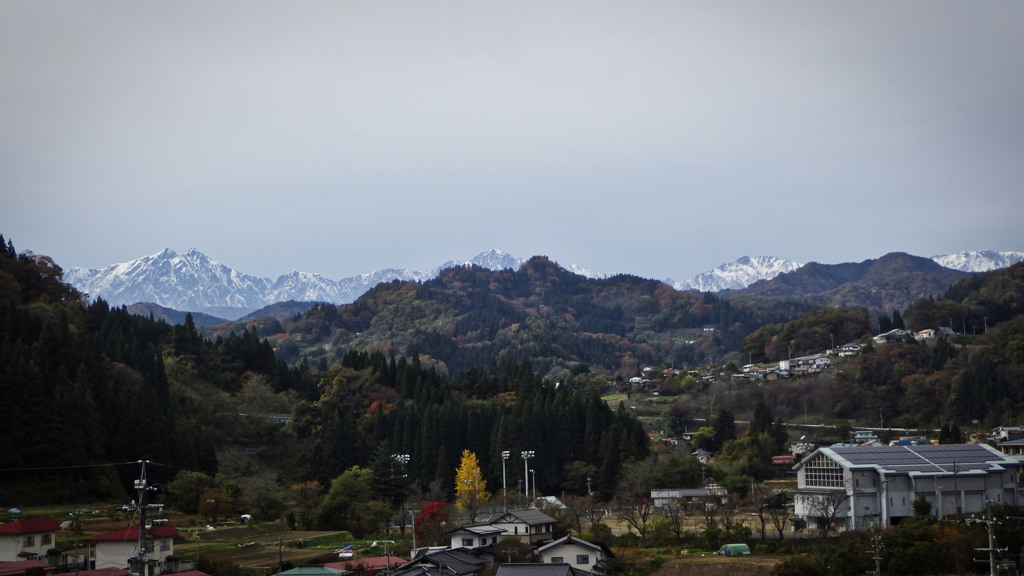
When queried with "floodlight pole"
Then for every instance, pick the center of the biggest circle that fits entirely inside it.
(504, 486)
(527, 455)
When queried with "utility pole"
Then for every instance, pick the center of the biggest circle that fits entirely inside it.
(876, 555)
(140, 562)
(989, 523)
(280, 554)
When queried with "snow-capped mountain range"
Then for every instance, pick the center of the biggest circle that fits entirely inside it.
(196, 283)
(737, 275)
(979, 260)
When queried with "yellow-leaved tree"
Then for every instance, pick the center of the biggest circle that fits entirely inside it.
(470, 486)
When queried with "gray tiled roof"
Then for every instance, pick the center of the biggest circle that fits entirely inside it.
(479, 529)
(529, 516)
(568, 539)
(311, 570)
(534, 570)
(446, 562)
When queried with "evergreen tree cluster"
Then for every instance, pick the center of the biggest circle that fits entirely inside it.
(371, 401)
(85, 387)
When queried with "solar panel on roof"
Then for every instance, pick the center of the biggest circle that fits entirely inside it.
(919, 458)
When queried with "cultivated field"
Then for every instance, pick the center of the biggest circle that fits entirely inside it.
(719, 566)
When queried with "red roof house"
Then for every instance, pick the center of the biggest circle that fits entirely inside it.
(112, 550)
(21, 567)
(27, 539)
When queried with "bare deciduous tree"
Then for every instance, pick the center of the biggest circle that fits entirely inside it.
(727, 512)
(594, 513)
(763, 501)
(780, 514)
(674, 512)
(637, 512)
(826, 507)
(708, 507)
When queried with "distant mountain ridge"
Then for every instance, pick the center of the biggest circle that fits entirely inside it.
(737, 275)
(892, 282)
(194, 282)
(979, 260)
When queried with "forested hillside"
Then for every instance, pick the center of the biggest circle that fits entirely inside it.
(559, 321)
(977, 375)
(88, 389)
(267, 412)
(892, 282)
(85, 385)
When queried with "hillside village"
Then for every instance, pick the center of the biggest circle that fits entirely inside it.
(266, 467)
(860, 486)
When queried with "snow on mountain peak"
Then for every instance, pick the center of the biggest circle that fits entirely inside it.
(193, 282)
(979, 260)
(737, 275)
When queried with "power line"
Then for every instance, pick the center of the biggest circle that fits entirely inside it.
(70, 467)
(79, 466)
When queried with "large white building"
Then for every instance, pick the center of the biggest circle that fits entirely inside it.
(861, 487)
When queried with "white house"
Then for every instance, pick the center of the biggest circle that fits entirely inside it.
(894, 335)
(27, 539)
(861, 487)
(663, 497)
(579, 554)
(529, 525)
(115, 548)
(475, 536)
(849, 349)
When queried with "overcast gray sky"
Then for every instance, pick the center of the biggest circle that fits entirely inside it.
(659, 138)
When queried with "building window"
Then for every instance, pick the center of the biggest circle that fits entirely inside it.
(45, 539)
(557, 560)
(29, 541)
(165, 545)
(467, 542)
(823, 472)
(583, 559)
